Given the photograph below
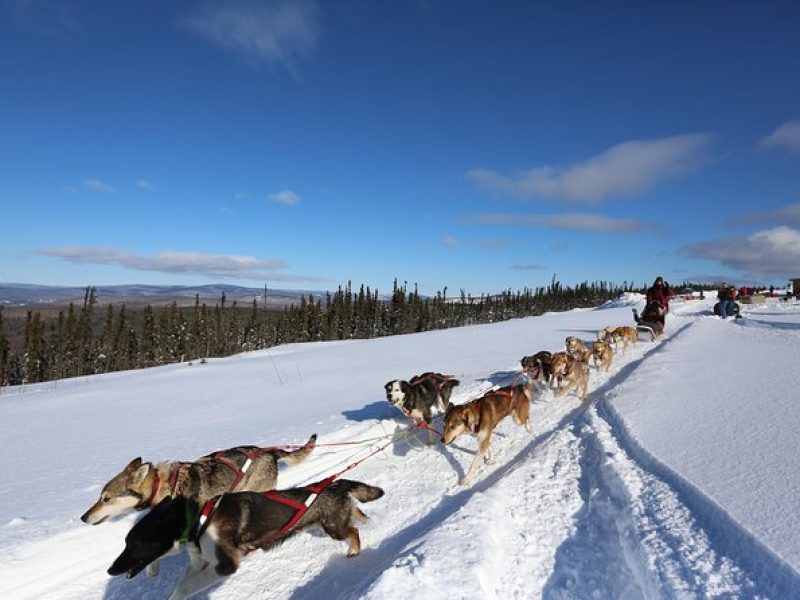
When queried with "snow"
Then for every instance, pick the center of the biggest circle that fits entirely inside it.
(678, 479)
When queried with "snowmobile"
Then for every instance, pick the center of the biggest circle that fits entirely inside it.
(735, 311)
(650, 323)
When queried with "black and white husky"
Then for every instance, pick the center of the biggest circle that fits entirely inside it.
(422, 394)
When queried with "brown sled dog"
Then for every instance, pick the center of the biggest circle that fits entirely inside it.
(481, 416)
(240, 523)
(142, 485)
(570, 373)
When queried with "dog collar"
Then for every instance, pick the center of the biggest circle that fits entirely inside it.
(153, 494)
(190, 519)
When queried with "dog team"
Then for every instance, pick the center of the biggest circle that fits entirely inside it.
(224, 505)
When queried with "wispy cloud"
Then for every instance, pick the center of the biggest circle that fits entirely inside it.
(186, 263)
(496, 243)
(624, 170)
(450, 241)
(765, 254)
(785, 215)
(529, 267)
(286, 197)
(568, 221)
(280, 33)
(97, 186)
(144, 184)
(785, 137)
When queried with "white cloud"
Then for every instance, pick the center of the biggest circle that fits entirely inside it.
(785, 215)
(69, 189)
(144, 184)
(529, 267)
(786, 137)
(627, 169)
(769, 253)
(287, 197)
(568, 221)
(97, 186)
(450, 241)
(267, 32)
(187, 263)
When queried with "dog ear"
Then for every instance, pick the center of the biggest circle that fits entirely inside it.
(405, 386)
(134, 464)
(140, 473)
(471, 419)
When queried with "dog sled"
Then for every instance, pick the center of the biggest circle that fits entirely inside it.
(649, 325)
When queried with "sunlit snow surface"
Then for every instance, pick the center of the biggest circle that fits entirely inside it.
(680, 479)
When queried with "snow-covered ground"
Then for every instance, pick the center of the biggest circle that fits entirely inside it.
(680, 479)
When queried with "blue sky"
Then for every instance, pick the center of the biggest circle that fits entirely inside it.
(474, 145)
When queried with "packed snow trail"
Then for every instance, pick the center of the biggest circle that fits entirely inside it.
(579, 508)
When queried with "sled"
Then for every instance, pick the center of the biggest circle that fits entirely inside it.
(648, 332)
(649, 329)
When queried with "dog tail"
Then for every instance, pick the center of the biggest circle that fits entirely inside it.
(361, 491)
(294, 457)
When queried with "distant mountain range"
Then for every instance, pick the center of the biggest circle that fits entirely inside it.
(23, 294)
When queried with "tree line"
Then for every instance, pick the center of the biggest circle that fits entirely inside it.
(86, 339)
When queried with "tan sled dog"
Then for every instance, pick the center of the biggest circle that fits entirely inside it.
(625, 336)
(481, 416)
(142, 485)
(570, 373)
(603, 355)
(576, 349)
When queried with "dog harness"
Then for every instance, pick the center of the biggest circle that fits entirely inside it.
(240, 472)
(438, 379)
(174, 471)
(300, 509)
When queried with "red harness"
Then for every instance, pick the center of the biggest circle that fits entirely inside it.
(438, 380)
(240, 472)
(300, 509)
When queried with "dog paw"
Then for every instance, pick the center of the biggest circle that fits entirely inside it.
(152, 569)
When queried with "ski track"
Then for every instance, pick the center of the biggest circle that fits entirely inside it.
(589, 514)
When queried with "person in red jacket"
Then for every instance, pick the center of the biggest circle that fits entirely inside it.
(660, 292)
(727, 301)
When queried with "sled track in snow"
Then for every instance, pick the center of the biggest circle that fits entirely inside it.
(371, 564)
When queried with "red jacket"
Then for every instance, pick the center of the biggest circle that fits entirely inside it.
(660, 294)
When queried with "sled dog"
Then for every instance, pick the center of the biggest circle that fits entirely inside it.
(141, 485)
(570, 373)
(577, 349)
(419, 396)
(602, 354)
(625, 335)
(481, 416)
(539, 367)
(241, 522)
